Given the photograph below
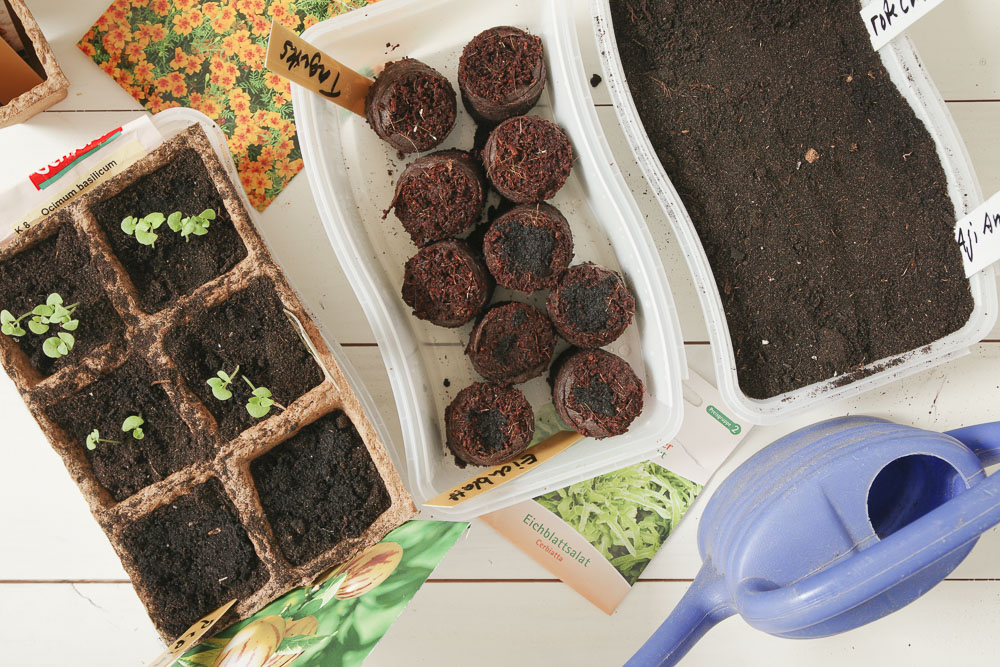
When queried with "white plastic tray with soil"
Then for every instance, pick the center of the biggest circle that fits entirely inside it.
(353, 175)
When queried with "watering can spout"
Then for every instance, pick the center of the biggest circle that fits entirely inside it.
(706, 603)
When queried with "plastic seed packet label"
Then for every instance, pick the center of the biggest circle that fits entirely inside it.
(887, 19)
(31, 199)
(341, 617)
(978, 235)
(300, 62)
(599, 535)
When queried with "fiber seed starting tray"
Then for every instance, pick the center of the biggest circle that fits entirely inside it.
(207, 501)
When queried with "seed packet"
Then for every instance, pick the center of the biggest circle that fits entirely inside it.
(598, 535)
(341, 617)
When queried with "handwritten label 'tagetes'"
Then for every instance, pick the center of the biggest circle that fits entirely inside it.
(311, 62)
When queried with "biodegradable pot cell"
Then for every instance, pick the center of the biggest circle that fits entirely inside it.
(197, 501)
(512, 343)
(54, 84)
(411, 106)
(501, 73)
(590, 306)
(528, 247)
(446, 284)
(596, 392)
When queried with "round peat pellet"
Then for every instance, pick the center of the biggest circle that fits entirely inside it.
(439, 196)
(488, 424)
(527, 159)
(512, 343)
(590, 305)
(596, 393)
(411, 106)
(528, 247)
(446, 284)
(501, 74)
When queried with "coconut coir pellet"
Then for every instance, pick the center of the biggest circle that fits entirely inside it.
(817, 194)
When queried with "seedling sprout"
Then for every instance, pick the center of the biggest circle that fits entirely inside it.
(43, 316)
(142, 228)
(134, 424)
(94, 438)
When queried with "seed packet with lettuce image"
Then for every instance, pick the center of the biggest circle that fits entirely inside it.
(339, 619)
(599, 535)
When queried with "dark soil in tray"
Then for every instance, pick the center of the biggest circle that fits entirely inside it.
(128, 465)
(512, 343)
(193, 555)
(596, 392)
(319, 487)
(60, 264)
(528, 247)
(249, 330)
(590, 305)
(817, 193)
(488, 424)
(172, 267)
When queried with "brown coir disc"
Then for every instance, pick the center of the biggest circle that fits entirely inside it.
(512, 343)
(590, 305)
(527, 159)
(528, 247)
(501, 74)
(411, 106)
(439, 196)
(446, 284)
(596, 393)
(489, 424)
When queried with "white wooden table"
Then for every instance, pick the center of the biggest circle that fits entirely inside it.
(64, 599)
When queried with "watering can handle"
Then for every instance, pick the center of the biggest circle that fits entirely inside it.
(983, 439)
(858, 578)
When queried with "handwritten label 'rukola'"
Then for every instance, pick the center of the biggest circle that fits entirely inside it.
(978, 235)
(885, 19)
(300, 62)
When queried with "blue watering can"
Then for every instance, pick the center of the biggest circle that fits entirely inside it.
(834, 526)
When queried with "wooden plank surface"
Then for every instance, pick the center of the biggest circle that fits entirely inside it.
(485, 589)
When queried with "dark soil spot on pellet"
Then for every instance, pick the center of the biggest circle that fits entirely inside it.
(128, 465)
(597, 397)
(249, 330)
(319, 487)
(489, 425)
(817, 193)
(173, 267)
(60, 264)
(193, 555)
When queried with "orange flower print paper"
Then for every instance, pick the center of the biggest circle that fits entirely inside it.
(210, 56)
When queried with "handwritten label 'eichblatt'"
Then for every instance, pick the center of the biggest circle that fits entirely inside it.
(885, 19)
(978, 235)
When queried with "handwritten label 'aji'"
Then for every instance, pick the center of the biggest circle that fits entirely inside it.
(300, 62)
(978, 235)
(885, 19)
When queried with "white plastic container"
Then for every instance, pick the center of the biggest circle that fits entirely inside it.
(352, 174)
(907, 72)
(173, 121)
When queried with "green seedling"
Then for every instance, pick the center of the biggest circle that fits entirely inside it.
(94, 438)
(220, 384)
(43, 316)
(134, 424)
(260, 402)
(143, 227)
(196, 225)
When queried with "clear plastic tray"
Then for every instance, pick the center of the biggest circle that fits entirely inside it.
(907, 72)
(352, 174)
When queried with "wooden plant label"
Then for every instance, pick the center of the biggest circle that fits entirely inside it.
(191, 637)
(505, 472)
(978, 235)
(886, 19)
(300, 62)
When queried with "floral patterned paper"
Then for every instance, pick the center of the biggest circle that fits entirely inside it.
(210, 56)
